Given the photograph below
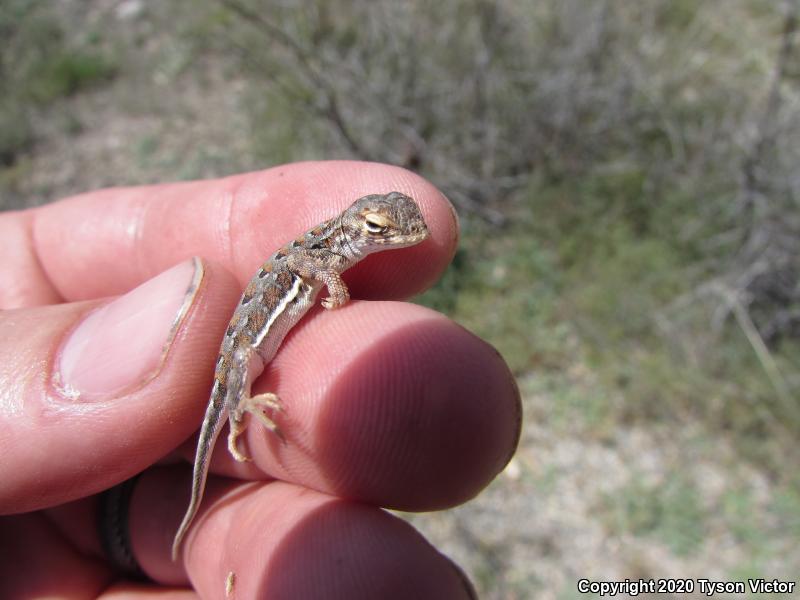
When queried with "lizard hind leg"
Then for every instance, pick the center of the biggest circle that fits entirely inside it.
(259, 405)
(237, 426)
(256, 406)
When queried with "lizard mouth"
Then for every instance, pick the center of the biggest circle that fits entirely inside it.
(410, 239)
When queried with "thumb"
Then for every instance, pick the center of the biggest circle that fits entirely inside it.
(93, 392)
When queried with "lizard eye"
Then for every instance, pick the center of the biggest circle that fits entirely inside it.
(375, 224)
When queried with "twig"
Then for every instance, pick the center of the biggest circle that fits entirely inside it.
(765, 134)
(305, 59)
(761, 351)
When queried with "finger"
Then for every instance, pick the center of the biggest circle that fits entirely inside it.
(93, 392)
(23, 281)
(143, 591)
(37, 562)
(467, 433)
(389, 403)
(106, 242)
(284, 541)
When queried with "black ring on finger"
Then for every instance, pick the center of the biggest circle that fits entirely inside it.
(114, 530)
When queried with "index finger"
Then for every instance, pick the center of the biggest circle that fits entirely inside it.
(106, 242)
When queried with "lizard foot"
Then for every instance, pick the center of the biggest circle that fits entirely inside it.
(237, 428)
(335, 301)
(258, 405)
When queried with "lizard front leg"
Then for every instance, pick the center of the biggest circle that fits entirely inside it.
(339, 295)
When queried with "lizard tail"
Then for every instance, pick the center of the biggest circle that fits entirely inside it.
(212, 425)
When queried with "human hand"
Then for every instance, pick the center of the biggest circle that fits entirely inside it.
(388, 404)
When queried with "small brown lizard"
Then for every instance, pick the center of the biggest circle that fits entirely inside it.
(276, 298)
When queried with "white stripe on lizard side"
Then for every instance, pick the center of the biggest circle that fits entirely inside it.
(291, 295)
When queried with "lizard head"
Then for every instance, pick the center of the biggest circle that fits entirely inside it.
(378, 221)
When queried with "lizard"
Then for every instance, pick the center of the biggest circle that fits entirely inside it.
(275, 299)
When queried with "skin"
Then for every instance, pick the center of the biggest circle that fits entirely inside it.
(414, 412)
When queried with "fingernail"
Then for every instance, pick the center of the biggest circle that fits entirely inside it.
(123, 344)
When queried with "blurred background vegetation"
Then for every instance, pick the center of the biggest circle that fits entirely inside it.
(626, 175)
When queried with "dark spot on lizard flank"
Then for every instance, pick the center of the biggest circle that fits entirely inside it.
(236, 341)
(222, 380)
(265, 270)
(271, 299)
(316, 232)
(258, 318)
(223, 364)
(232, 325)
(280, 254)
(284, 280)
(249, 292)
